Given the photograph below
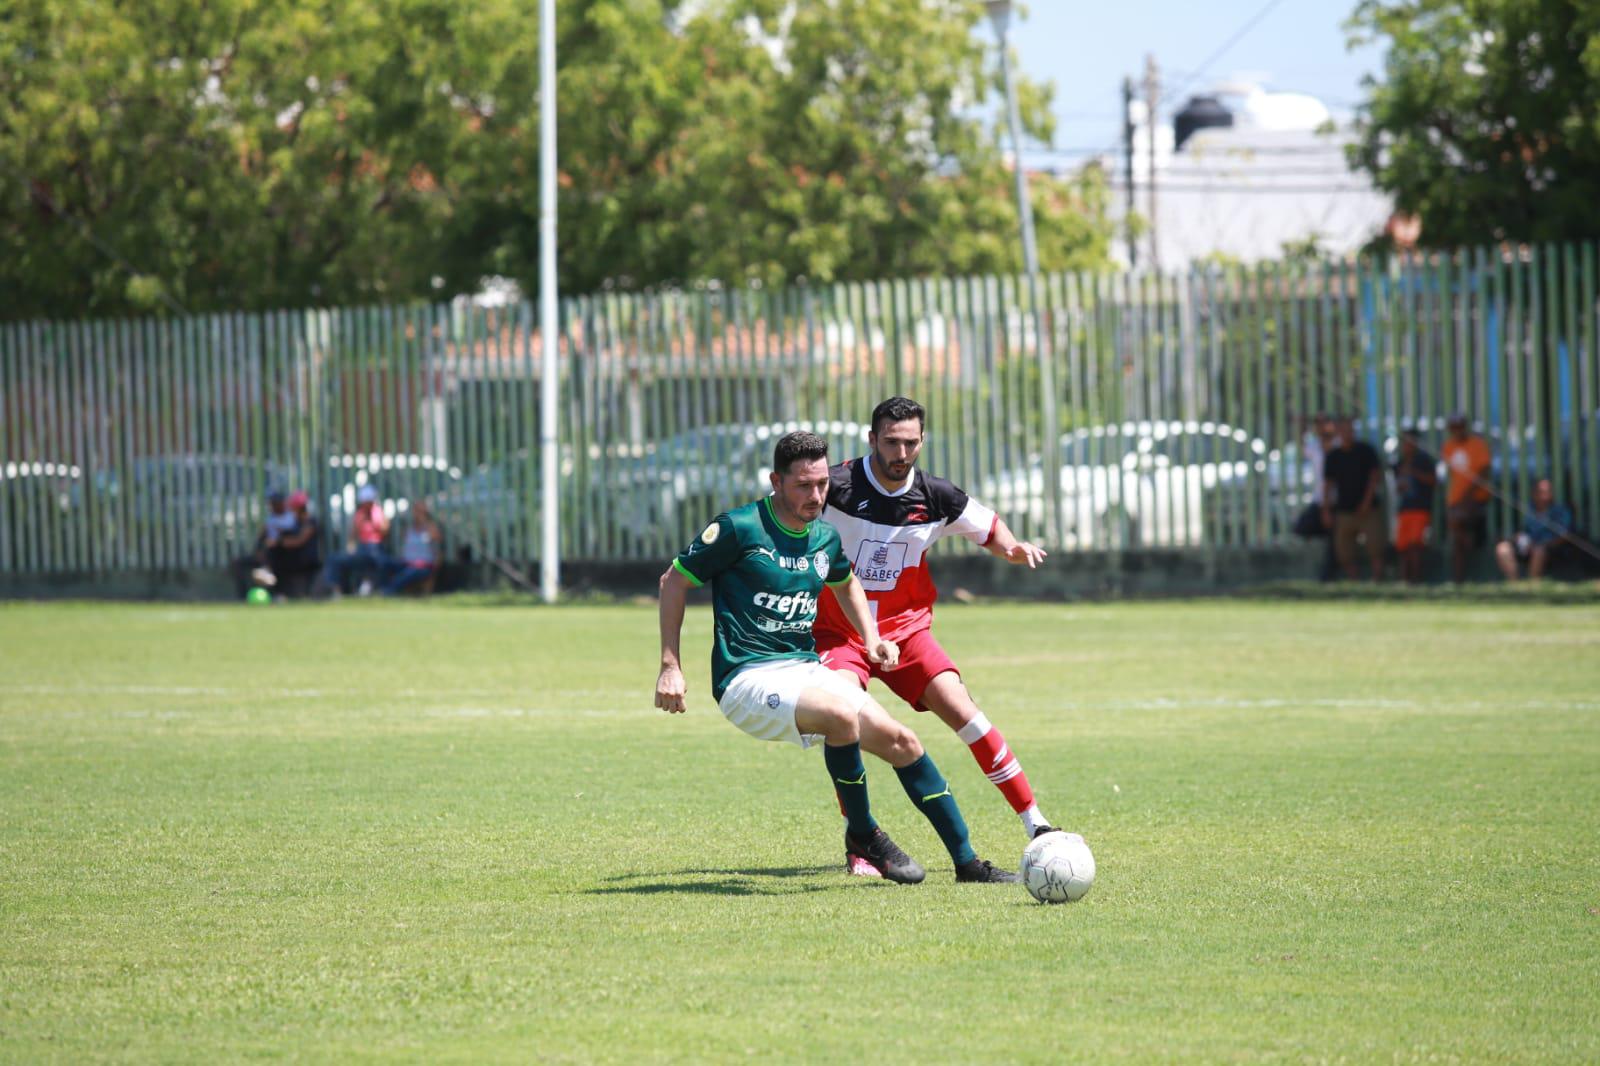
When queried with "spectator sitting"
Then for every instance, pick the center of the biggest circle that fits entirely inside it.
(255, 569)
(419, 553)
(1415, 475)
(1351, 505)
(1467, 497)
(297, 556)
(1545, 532)
(364, 559)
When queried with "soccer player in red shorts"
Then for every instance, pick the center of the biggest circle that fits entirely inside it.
(889, 514)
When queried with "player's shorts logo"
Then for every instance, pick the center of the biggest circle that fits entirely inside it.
(773, 700)
(820, 561)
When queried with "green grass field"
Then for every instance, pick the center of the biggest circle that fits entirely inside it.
(1325, 832)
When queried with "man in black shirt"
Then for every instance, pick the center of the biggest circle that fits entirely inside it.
(1351, 506)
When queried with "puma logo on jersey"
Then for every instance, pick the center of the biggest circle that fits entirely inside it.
(768, 552)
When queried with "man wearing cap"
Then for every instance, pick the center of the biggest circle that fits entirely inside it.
(1467, 457)
(255, 569)
(365, 557)
(296, 557)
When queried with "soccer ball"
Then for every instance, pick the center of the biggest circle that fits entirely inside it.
(1057, 868)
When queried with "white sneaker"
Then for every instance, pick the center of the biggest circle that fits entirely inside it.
(263, 577)
(365, 589)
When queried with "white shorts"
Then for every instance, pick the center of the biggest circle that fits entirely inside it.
(760, 699)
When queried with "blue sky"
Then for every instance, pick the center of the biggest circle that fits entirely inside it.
(1087, 46)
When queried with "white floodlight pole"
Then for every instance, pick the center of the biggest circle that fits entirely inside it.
(550, 364)
(1000, 17)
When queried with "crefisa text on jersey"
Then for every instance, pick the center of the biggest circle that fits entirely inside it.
(800, 603)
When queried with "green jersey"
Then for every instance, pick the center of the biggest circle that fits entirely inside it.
(765, 580)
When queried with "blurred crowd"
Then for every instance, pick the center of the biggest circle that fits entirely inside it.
(287, 559)
(1352, 486)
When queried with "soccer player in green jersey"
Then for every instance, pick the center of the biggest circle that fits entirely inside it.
(767, 563)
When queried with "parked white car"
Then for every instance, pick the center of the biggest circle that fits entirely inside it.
(686, 479)
(1135, 484)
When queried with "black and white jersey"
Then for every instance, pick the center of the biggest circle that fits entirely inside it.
(887, 536)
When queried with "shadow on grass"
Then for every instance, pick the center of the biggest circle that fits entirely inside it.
(760, 881)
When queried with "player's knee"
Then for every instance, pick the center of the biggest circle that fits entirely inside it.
(903, 746)
(838, 721)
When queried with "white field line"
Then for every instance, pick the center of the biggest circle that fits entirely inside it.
(1227, 704)
(439, 699)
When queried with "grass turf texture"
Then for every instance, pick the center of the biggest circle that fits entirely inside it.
(1324, 831)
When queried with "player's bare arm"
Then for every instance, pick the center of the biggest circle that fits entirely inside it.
(1005, 544)
(853, 602)
(670, 685)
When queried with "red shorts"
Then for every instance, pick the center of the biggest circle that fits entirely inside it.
(921, 660)
(1411, 529)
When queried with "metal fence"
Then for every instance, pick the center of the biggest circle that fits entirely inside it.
(1095, 411)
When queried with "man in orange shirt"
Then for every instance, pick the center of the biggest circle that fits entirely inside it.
(1467, 457)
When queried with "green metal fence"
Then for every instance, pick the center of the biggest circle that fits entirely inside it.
(1097, 412)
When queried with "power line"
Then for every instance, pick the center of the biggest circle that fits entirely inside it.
(1221, 187)
(1222, 50)
(1217, 153)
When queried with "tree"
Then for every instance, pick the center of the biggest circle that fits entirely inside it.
(758, 141)
(1486, 122)
(239, 153)
(266, 153)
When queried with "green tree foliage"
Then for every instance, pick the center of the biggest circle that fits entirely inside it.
(1486, 122)
(260, 153)
(240, 153)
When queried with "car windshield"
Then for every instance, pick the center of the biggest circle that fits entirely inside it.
(1220, 446)
(400, 476)
(749, 447)
(707, 443)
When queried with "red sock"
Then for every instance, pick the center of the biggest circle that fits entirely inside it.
(998, 764)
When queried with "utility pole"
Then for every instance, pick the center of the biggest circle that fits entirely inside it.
(1000, 16)
(1152, 96)
(550, 352)
(1127, 166)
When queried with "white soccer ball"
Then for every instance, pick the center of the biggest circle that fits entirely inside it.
(1057, 868)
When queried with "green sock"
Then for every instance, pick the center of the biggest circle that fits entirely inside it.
(931, 793)
(850, 782)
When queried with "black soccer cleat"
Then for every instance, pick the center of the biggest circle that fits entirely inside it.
(884, 855)
(1043, 829)
(984, 872)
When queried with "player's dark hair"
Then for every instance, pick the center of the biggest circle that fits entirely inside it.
(797, 445)
(897, 409)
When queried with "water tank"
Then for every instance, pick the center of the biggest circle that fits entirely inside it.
(1200, 113)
